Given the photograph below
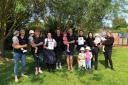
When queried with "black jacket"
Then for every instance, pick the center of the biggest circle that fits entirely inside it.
(109, 43)
(90, 42)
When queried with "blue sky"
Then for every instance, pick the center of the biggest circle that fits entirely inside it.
(120, 13)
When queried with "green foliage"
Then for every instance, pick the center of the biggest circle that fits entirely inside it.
(119, 22)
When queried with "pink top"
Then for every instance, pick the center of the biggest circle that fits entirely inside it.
(65, 40)
(88, 56)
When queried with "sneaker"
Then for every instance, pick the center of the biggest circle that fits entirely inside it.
(60, 66)
(36, 73)
(16, 79)
(57, 66)
(68, 50)
(24, 51)
(40, 71)
(24, 75)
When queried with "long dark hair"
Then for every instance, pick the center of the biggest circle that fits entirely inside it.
(92, 35)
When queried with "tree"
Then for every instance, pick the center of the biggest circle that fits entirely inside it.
(13, 15)
(119, 22)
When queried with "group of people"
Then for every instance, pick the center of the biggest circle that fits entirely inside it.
(50, 49)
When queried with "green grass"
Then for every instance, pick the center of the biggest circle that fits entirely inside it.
(63, 77)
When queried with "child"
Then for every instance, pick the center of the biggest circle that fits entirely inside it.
(88, 57)
(81, 58)
(97, 39)
(15, 39)
(31, 34)
(103, 46)
(65, 41)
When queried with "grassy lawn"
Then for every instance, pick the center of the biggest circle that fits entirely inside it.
(63, 77)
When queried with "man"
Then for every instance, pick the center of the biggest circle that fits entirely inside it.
(38, 46)
(19, 43)
(108, 50)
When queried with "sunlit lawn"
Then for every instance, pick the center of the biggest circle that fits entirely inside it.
(63, 77)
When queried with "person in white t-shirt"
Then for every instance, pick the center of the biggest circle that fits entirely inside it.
(49, 45)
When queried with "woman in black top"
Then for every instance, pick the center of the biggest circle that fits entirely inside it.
(90, 43)
(59, 48)
(71, 41)
(90, 40)
(108, 49)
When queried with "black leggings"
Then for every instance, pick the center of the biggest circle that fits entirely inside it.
(108, 59)
(95, 54)
(37, 60)
(50, 67)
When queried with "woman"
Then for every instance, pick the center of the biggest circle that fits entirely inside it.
(81, 40)
(37, 43)
(49, 45)
(71, 42)
(97, 42)
(59, 48)
(108, 49)
(19, 43)
(90, 43)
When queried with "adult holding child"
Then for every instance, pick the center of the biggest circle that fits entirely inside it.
(69, 53)
(19, 51)
(37, 50)
(108, 43)
(97, 43)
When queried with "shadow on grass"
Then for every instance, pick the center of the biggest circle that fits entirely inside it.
(102, 62)
(97, 77)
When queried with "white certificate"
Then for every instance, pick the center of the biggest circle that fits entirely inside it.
(81, 41)
(51, 45)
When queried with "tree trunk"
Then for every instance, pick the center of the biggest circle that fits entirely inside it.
(2, 40)
(1, 47)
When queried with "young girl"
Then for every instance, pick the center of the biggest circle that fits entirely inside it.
(88, 57)
(65, 40)
(81, 58)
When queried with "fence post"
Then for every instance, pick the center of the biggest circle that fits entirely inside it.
(127, 38)
(122, 35)
(118, 38)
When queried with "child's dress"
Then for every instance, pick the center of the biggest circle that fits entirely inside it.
(88, 57)
(81, 60)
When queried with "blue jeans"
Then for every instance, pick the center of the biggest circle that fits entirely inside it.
(16, 57)
(88, 64)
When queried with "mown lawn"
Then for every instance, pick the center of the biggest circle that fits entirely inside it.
(62, 77)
